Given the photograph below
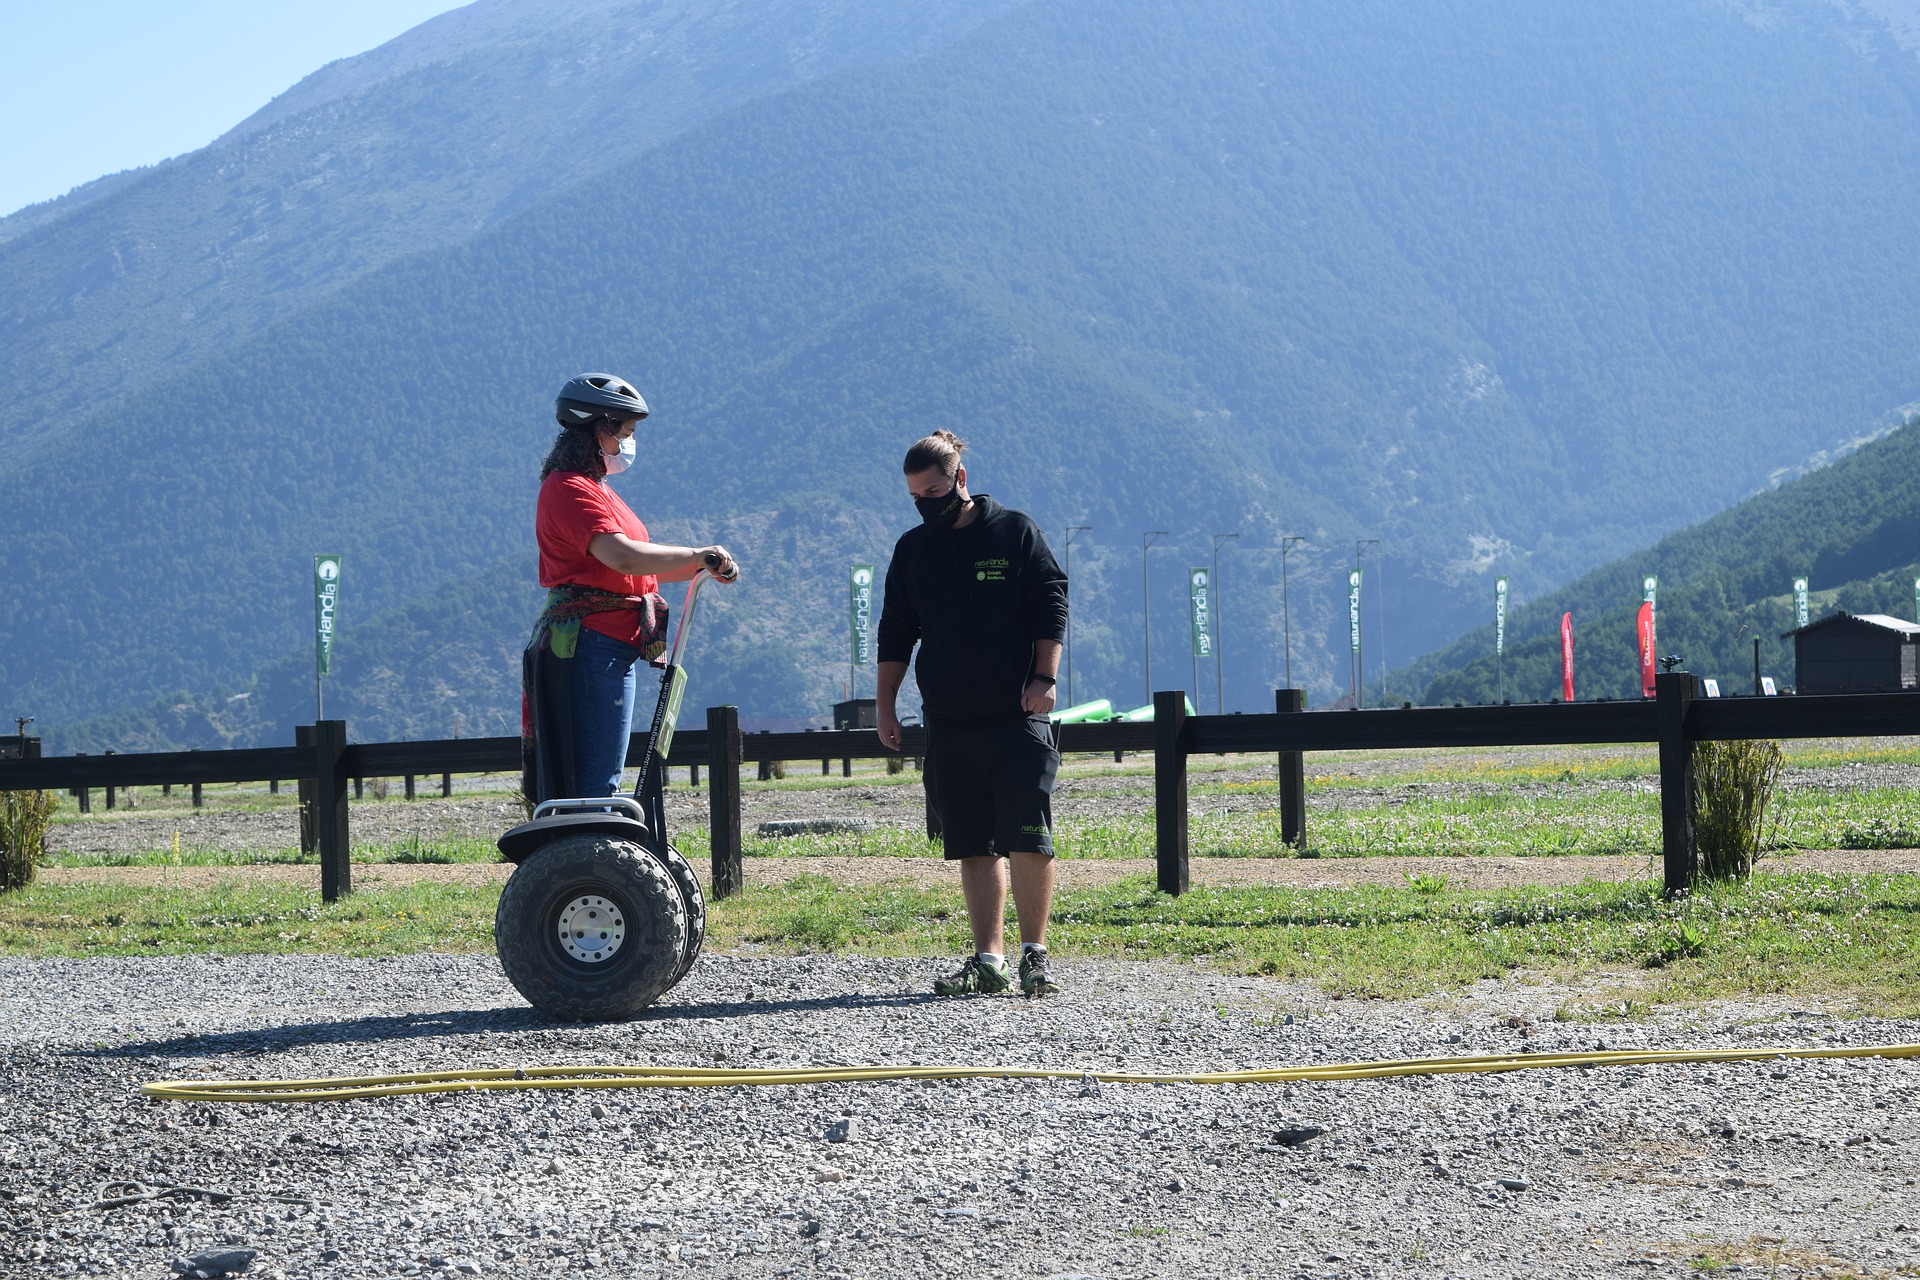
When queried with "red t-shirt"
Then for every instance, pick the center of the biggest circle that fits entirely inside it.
(573, 508)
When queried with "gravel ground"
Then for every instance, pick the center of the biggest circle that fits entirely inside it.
(1786, 1168)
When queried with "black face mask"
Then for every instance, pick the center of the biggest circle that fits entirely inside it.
(942, 511)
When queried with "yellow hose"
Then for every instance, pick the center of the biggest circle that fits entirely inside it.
(336, 1088)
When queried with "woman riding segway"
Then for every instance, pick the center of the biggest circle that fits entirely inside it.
(602, 914)
(603, 612)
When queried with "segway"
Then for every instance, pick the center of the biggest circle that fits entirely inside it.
(602, 916)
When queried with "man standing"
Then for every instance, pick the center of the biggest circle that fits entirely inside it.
(976, 587)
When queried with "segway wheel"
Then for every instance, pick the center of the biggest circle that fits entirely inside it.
(683, 876)
(592, 928)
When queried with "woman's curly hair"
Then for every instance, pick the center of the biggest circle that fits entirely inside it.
(577, 449)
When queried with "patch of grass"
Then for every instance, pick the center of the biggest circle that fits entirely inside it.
(1501, 824)
(1767, 1255)
(411, 850)
(1851, 938)
(237, 916)
(25, 817)
(1735, 783)
(1867, 818)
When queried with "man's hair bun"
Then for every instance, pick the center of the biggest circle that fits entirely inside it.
(941, 449)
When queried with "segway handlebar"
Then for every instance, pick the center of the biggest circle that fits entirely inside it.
(709, 573)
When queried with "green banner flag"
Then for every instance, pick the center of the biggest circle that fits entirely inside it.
(326, 602)
(1499, 615)
(1801, 613)
(1649, 588)
(1200, 596)
(860, 613)
(1353, 608)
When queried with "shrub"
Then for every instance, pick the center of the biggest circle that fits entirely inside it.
(1734, 782)
(25, 817)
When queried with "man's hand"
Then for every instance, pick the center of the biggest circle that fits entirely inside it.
(1038, 699)
(888, 729)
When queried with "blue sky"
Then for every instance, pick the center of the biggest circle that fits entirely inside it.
(91, 87)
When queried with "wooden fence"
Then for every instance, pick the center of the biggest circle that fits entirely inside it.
(325, 763)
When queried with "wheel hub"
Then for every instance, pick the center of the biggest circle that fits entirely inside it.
(591, 929)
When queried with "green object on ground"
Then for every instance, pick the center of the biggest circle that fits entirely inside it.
(1139, 714)
(975, 977)
(1085, 713)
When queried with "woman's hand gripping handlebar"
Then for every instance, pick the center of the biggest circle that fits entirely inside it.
(718, 562)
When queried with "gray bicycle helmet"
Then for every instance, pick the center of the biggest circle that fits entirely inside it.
(593, 396)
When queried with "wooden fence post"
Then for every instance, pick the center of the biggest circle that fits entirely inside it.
(1293, 775)
(303, 737)
(409, 786)
(113, 792)
(446, 785)
(83, 794)
(197, 797)
(1674, 693)
(330, 810)
(723, 799)
(1170, 789)
(693, 775)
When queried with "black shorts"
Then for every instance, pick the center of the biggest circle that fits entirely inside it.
(991, 782)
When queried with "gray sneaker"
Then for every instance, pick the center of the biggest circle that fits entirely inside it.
(1036, 979)
(975, 977)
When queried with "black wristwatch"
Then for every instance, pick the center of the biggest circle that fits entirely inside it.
(1044, 679)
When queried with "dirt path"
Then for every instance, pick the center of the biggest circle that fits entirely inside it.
(1304, 873)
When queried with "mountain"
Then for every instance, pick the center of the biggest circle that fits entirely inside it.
(1507, 287)
(424, 142)
(1851, 529)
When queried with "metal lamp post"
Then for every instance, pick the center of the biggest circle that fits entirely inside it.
(1286, 612)
(1147, 539)
(1073, 531)
(1219, 632)
(1360, 546)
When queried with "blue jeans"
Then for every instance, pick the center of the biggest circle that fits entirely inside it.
(603, 689)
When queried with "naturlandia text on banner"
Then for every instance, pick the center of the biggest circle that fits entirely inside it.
(326, 604)
(1200, 598)
(860, 613)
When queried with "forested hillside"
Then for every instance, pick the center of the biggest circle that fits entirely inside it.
(1852, 530)
(449, 129)
(1511, 288)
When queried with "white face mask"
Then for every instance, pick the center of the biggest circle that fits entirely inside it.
(618, 462)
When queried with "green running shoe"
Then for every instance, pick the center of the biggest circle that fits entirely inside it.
(1036, 979)
(975, 977)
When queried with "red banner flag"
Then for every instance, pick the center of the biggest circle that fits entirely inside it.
(1647, 650)
(1566, 657)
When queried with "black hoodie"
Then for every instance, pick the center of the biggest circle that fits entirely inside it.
(975, 600)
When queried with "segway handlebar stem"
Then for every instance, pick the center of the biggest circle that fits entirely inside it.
(699, 580)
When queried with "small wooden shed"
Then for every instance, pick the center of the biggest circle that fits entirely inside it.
(1845, 653)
